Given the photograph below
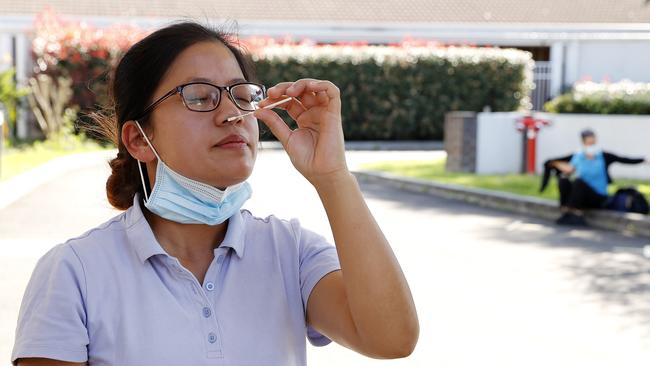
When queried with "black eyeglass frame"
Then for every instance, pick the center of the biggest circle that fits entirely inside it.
(179, 89)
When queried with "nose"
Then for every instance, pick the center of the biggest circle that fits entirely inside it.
(228, 109)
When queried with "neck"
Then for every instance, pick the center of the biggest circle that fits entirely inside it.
(187, 242)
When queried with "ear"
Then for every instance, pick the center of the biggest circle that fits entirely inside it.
(135, 143)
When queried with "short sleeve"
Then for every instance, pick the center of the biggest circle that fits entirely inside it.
(574, 159)
(52, 317)
(318, 257)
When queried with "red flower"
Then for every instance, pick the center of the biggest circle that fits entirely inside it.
(76, 57)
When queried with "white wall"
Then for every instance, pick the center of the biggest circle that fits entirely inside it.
(499, 144)
(624, 135)
(615, 60)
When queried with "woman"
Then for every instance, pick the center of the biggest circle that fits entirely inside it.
(184, 276)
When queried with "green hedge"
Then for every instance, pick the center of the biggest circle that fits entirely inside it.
(399, 93)
(623, 97)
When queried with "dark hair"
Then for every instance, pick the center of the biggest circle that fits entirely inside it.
(132, 84)
(587, 133)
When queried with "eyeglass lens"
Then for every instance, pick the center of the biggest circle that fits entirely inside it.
(205, 97)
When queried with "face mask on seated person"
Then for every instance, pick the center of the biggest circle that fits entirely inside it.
(591, 150)
(187, 201)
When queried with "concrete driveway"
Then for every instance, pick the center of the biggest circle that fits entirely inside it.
(490, 288)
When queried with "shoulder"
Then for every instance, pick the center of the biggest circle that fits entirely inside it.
(610, 156)
(271, 223)
(281, 232)
(101, 234)
(61, 256)
(91, 237)
(95, 243)
(576, 157)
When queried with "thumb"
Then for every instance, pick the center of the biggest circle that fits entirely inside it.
(275, 124)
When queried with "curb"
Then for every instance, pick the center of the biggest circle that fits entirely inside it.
(626, 223)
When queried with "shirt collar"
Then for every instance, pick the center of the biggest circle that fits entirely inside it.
(144, 242)
(235, 234)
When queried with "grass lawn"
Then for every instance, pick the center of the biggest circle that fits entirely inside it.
(19, 159)
(522, 184)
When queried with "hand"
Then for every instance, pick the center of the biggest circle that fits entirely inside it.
(316, 148)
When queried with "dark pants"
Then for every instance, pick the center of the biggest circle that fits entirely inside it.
(579, 195)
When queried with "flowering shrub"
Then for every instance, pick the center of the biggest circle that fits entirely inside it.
(398, 91)
(623, 97)
(81, 52)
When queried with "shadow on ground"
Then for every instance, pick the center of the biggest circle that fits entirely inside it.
(608, 266)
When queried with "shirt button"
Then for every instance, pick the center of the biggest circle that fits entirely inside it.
(209, 286)
(212, 337)
(207, 312)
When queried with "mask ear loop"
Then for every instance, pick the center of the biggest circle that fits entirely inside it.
(144, 186)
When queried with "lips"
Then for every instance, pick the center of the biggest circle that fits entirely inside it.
(232, 139)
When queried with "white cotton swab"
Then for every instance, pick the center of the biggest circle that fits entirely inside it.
(266, 107)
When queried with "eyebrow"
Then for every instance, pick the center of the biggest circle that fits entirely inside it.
(231, 81)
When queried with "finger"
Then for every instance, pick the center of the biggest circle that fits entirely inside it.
(328, 87)
(302, 103)
(283, 87)
(265, 102)
(322, 97)
(308, 99)
(278, 89)
(296, 111)
(298, 87)
(293, 106)
(275, 124)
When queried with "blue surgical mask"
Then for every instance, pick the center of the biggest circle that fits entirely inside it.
(591, 150)
(187, 201)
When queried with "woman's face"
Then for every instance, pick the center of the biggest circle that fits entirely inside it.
(186, 140)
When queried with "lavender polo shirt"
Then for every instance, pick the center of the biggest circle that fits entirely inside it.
(113, 296)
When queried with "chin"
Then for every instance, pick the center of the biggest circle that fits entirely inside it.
(222, 182)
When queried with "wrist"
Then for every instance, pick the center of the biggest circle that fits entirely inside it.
(333, 179)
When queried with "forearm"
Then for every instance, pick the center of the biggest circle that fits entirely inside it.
(564, 167)
(629, 160)
(378, 295)
(612, 158)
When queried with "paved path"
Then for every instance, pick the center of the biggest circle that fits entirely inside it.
(490, 288)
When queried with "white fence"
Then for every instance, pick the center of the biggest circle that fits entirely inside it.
(500, 145)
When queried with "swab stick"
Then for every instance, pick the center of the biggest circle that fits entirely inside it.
(266, 107)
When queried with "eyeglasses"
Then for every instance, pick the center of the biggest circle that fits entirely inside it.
(205, 97)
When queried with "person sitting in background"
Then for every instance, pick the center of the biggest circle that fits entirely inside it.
(589, 188)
